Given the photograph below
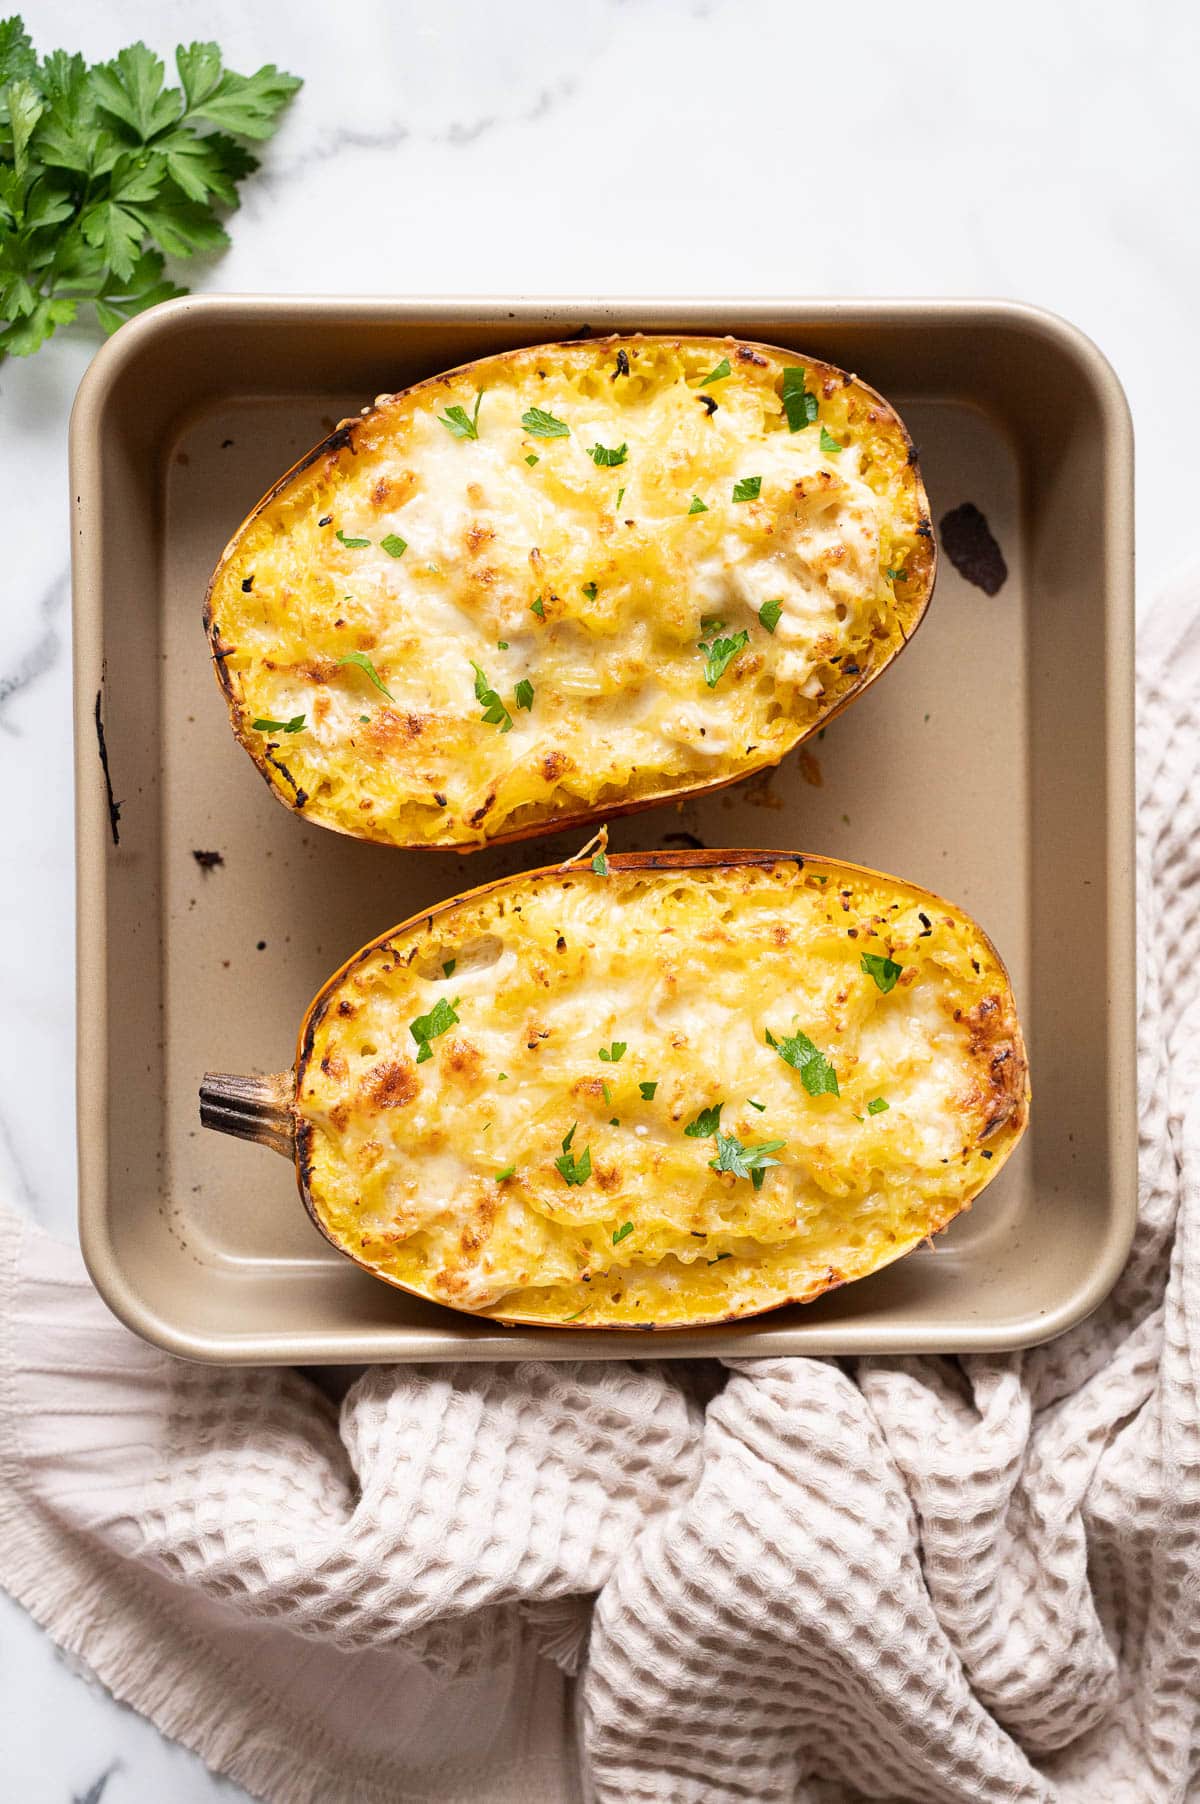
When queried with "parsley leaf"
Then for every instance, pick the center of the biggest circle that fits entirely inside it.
(885, 971)
(105, 171)
(394, 545)
(707, 1122)
(449, 967)
(747, 489)
(614, 1054)
(523, 693)
(495, 714)
(608, 460)
(830, 445)
(620, 1233)
(896, 576)
(717, 375)
(499, 1176)
(760, 1106)
(544, 425)
(745, 1161)
(698, 506)
(350, 544)
(620, 496)
(294, 725)
(768, 614)
(799, 404)
(361, 662)
(600, 865)
(816, 1073)
(877, 1106)
(532, 459)
(539, 608)
(591, 591)
(574, 1170)
(648, 1090)
(719, 655)
(459, 423)
(427, 1027)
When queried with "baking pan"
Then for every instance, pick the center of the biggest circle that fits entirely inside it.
(993, 764)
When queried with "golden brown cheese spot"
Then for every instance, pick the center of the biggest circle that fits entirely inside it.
(612, 653)
(392, 1084)
(463, 1059)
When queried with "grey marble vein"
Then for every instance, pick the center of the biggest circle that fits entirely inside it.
(42, 655)
(96, 1790)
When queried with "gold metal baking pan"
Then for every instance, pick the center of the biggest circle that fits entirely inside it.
(993, 764)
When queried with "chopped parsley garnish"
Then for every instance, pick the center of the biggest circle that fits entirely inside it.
(745, 1161)
(591, 591)
(574, 1171)
(544, 425)
(499, 1176)
(612, 1055)
(707, 1122)
(449, 967)
(365, 719)
(719, 1258)
(760, 1106)
(717, 375)
(620, 1233)
(427, 1027)
(604, 459)
(539, 608)
(885, 971)
(816, 1073)
(460, 424)
(361, 662)
(502, 1077)
(607, 1097)
(747, 489)
(877, 1106)
(768, 614)
(577, 1314)
(799, 404)
(394, 545)
(600, 865)
(830, 445)
(532, 459)
(495, 714)
(648, 1090)
(524, 693)
(350, 544)
(294, 725)
(620, 496)
(895, 576)
(719, 655)
(698, 506)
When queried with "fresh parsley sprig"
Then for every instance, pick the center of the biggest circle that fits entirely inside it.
(745, 1161)
(105, 173)
(495, 714)
(425, 1028)
(720, 653)
(816, 1073)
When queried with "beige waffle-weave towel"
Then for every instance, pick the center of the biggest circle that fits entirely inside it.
(917, 1579)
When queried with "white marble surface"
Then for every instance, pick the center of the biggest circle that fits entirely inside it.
(1045, 152)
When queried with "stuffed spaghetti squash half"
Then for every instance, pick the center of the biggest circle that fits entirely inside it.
(569, 581)
(672, 1090)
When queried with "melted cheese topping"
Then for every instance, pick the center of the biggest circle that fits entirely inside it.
(594, 585)
(442, 1174)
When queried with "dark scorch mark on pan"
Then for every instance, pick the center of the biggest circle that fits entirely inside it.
(208, 861)
(114, 807)
(968, 543)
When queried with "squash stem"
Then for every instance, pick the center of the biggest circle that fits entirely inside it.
(252, 1108)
